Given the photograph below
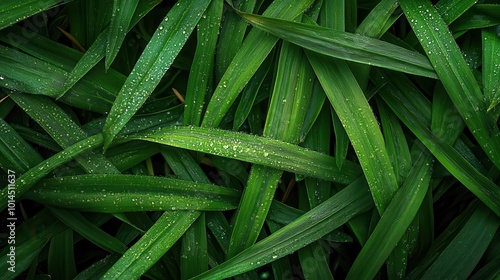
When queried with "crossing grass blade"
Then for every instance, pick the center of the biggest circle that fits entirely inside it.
(16, 155)
(247, 60)
(347, 99)
(491, 66)
(254, 149)
(123, 11)
(159, 54)
(394, 222)
(119, 193)
(457, 78)
(346, 46)
(76, 221)
(321, 220)
(28, 179)
(152, 246)
(411, 115)
(12, 11)
(201, 73)
(97, 51)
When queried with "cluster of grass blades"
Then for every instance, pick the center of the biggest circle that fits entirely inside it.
(250, 139)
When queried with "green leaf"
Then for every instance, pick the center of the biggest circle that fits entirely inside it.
(152, 246)
(28, 179)
(61, 260)
(311, 226)
(247, 60)
(159, 54)
(348, 100)
(119, 193)
(76, 221)
(457, 78)
(254, 149)
(394, 222)
(346, 46)
(123, 11)
(12, 11)
(491, 66)
(201, 73)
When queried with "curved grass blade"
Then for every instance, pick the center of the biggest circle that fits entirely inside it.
(76, 221)
(254, 149)
(232, 33)
(157, 57)
(62, 129)
(61, 258)
(311, 226)
(457, 78)
(97, 50)
(247, 60)
(12, 11)
(127, 193)
(491, 66)
(123, 11)
(394, 222)
(346, 46)
(411, 115)
(348, 100)
(16, 154)
(152, 246)
(28, 179)
(200, 76)
(290, 97)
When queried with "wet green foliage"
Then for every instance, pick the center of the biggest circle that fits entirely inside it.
(245, 139)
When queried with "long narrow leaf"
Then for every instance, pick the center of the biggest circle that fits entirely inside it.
(159, 54)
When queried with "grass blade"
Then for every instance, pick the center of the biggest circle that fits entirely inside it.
(457, 78)
(254, 149)
(123, 11)
(491, 66)
(12, 11)
(200, 76)
(311, 226)
(159, 54)
(152, 246)
(348, 100)
(394, 222)
(28, 179)
(247, 60)
(119, 193)
(346, 46)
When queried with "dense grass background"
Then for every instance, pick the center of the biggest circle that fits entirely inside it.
(250, 139)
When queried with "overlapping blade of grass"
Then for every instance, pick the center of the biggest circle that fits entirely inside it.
(409, 110)
(247, 60)
(457, 78)
(491, 66)
(12, 11)
(472, 235)
(62, 129)
(394, 222)
(311, 226)
(152, 246)
(478, 16)
(121, 193)
(123, 11)
(201, 73)
(157, 57)
(232, 33)
(346, 46)
(61, 257)
(348, 100)
(16, 155)
(76, 221)
(39, 78)
(290, 97)
(97, 50)
(28, 179)
(254, 149)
